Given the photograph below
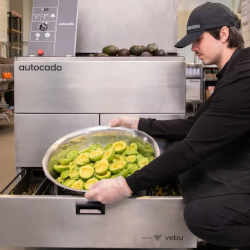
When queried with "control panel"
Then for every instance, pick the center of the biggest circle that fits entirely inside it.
(53, 28)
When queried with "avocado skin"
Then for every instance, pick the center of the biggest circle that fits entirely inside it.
(123, 52)
(136, 50)
(110, 50)
(152, 47)
(160, 52)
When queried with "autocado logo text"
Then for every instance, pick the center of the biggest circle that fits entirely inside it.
(42, 67)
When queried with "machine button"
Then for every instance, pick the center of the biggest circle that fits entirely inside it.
(37, 35)
(53, 15)
(43, 26)
(47, 34)
(40, 52)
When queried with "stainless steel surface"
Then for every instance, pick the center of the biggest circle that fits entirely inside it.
(54, 96)
(51, 221)
(125, 23)
(100, 85)
(85, 137)
(106, 118)
(34, 133)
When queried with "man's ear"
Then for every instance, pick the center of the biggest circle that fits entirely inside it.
(224, 34)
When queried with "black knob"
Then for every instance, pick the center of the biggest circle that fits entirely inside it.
(43, 26)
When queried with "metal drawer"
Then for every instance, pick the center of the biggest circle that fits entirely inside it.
(49, 220)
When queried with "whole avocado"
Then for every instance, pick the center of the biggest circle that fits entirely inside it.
(160, 52)
(152, 47)
(136, 50)
(143, 48)
(123, 52)
(110, 50)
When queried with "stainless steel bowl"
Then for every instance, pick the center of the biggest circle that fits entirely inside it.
(83, 138)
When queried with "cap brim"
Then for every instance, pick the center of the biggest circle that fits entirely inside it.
(188, 39)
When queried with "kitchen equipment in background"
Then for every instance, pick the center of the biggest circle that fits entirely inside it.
(63, 28)
(126, 23)
(6, 86)
(194, 88)
(53, 28)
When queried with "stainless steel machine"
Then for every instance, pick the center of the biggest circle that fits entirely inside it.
(58, 95)
(55, 96)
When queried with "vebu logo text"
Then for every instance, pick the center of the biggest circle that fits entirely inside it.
(36, 67)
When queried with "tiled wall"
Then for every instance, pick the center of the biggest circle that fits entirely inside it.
(4, 8)
(245, 15)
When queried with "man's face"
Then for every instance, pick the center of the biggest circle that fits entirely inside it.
(208, 49)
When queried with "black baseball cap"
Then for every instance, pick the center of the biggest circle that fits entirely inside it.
(207, 16)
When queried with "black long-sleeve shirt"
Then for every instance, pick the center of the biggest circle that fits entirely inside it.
(204, 158)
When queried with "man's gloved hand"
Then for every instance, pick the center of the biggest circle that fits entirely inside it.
(125, 121)
(109, 190)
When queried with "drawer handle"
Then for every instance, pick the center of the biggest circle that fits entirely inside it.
(90, 208)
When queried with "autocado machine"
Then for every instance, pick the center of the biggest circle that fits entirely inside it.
(59, 89)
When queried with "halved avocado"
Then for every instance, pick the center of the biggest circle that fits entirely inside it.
(120, 146)
(68, 182)
(59, 179)
(124, 172)
(109, 154)
(60, 168)
(117, 166)
(96, 155)
(143, 162)
(65, 174)
(74, 173)
(133, 147)
(145, 149)
(82, 159)
(90, 182)
(108, 146)
(150, 158)
(72, 155)
(101, 167)
(131, 158)
(79, 184)
(86, 172)
(64, 161)
(132, 167)
(105, 176)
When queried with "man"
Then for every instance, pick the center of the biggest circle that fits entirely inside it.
(212, 156)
